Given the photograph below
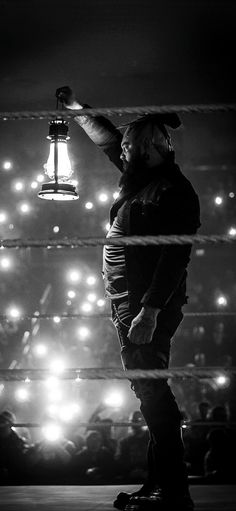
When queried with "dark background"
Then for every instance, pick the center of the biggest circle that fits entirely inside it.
(117, 52)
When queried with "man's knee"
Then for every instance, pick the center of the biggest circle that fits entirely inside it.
(150, 391)
(160, 407)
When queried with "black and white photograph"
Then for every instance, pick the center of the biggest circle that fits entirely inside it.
(117, 255)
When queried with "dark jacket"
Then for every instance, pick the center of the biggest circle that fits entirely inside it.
(156, 275)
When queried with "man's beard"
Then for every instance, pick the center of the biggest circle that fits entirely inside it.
(136, 174)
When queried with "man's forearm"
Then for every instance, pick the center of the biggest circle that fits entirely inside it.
(150, 312)
(98, 128)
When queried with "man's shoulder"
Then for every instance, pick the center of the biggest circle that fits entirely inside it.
(180, 186)
(153, 191)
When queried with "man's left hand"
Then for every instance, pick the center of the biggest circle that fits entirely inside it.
(143, 326)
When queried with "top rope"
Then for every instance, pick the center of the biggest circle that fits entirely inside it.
(137, 110)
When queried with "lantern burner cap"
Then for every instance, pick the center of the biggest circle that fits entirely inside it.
(58, 128)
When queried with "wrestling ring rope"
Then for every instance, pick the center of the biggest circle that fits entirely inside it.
(136, 110)
(113, 373)
(182, 239)
(97, 425)
(5, 317)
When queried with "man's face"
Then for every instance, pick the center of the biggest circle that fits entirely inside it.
(130, 149)
(139, 155)
(134, 161)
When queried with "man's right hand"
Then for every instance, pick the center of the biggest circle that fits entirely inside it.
(66, 96)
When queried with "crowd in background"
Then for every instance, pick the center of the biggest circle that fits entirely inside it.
(96, 456)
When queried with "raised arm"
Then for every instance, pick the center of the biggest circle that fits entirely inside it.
(101, 131)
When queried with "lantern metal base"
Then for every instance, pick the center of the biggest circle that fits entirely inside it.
(58, 191)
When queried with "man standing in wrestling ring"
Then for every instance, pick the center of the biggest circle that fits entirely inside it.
(147, 285)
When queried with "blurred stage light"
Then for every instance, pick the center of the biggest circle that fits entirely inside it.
(40, 178)
(34, 185)
(13, 313)
(5, 263)
(57, 366)
(231, 195)
(83, 333)
(52, 382)
(55, 395)
(56, 229)
(218, 200)
(68, 412)
(103, 197)
(71, 294)
(91, 280)
(24, 208)
(91, 297)
(114, 399)
(40, 350)
(74, 275)
(222, 381)
(22, 394)
(52, 410)
(52, 432)
(11, 227)
(86, 307)
(232, 231)
(89, 205)
(222, 301)
(3, 217)
(7, 165)
(18, 186)
(56, 319)
(116, 195)
(101, 302)
(107, 226)
(200, 252)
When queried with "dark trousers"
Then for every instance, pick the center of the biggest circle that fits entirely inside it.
(166, 466)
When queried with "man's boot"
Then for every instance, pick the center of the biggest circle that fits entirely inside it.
(124, 498)
(149, 485)
(160, 500)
